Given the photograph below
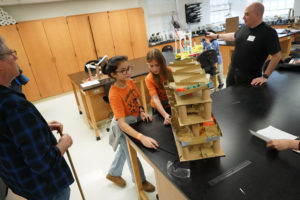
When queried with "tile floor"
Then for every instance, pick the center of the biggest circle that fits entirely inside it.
(91, 158)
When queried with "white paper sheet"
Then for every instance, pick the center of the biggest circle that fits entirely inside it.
(271, 132)
(89, 83)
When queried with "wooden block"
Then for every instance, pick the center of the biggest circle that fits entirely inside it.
(195, 129)
(207, 111)
(206, 94)
(217, 146)
(182, 113)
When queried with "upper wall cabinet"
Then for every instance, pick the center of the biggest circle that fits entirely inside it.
(138, 32)
(50, 49)
(102, 35)
(13, 41)
(39, 54)
(82, 38)
(62, 49)
(121, 33)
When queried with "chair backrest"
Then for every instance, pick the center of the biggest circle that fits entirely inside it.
(106, 91)
(208, 59)
(167, 48)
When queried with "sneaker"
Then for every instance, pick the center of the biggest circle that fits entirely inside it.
(148, 187)
(221, 86)
(118, 180)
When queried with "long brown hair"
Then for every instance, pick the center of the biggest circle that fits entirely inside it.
(155, 54)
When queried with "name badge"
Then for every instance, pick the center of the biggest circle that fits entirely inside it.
(251, 38)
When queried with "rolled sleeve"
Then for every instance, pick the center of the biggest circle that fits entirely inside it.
(151, 88)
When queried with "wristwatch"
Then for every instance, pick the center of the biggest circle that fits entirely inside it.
(265, 76)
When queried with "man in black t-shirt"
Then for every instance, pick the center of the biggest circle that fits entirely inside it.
(253, 43)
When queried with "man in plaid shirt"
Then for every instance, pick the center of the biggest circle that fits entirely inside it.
(31, 161)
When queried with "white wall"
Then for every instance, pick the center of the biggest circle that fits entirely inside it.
(158, 13)
(58, 9)
(237, 9)
(297, 7)
(205, 19)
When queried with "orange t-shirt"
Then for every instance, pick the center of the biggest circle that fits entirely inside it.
(123, 101)
(154, 89)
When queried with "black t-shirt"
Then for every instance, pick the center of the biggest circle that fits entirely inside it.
(252, 47)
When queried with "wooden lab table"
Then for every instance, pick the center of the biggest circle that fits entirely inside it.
(249, 170)
(95, 107)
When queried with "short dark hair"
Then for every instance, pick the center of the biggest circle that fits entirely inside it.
(112, 64)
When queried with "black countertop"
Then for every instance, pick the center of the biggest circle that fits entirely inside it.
(271, 174)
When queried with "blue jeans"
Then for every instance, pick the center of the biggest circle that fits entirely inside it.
(64, 194)
(121, 156)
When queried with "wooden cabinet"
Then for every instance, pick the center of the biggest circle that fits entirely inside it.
(226, 52)
(61, 46)
(50, 49)
(138, 33)
(13, 41)
(121, 33)
(82, 39)
(102, 35)
(37, 48)
(284, 26)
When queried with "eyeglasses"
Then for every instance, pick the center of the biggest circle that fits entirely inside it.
(126, 71)
(11, 52)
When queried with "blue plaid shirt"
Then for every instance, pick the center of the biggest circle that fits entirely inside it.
(30, 163)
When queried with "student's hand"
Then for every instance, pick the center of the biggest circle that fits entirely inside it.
(64, 143)
(149, 142)
(146, 117)
(259, 81)
(55, 125)
(283, 144)
(167, 120)
(211, 35)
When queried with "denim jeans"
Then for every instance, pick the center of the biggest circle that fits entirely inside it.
(121, 156)
(64, 194)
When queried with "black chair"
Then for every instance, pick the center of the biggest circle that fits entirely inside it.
(208, 59)
(106, 99)
(167, 48)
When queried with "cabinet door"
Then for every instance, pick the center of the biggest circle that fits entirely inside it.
(102, 34)
(138, 32)
(39, 54)
(82, 38)
(13, 41)
(62, 49)
(121, 33)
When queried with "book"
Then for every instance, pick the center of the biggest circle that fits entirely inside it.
(271, 132)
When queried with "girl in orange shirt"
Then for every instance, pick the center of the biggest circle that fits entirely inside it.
(124, 101)
(159, 73)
